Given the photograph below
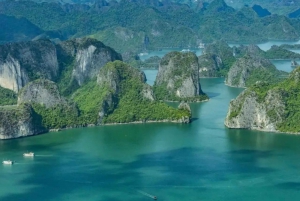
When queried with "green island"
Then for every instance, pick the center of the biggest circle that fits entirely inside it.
(278, 103)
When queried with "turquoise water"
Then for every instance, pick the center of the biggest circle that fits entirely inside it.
(199, 161)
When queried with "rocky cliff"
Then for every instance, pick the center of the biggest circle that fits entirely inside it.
(120, 95)
(216, 60)
(249, 69)
(19, 121)
(178, 78)
(26, 61)
(41, 91)
(70, 63)
(268, 107)
(87, 57)
(251, 112)
(210, 65)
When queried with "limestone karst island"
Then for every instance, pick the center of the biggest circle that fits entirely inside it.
(132, 100)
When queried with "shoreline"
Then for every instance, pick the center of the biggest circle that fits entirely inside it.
(94, 125)
(263, 130)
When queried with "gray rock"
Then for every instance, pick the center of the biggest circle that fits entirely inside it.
(20, 121)
(178, 75)
(247, 111)
(89, 56)
(25, 61)
(41, 91)
(250, 69)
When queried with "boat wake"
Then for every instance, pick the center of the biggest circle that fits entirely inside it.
(44, 155)
(147, 194)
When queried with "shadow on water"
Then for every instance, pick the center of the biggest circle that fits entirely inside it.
(289, 185)
(194, 119)
(212, 94)
(262, 140)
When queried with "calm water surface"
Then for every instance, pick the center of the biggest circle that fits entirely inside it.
(199, 161)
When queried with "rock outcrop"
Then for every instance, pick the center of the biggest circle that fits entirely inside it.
(178, 78)
(26, 61)
(210, 65)
(247, 111)
(120, 95)
(268, 107)
(216, 60)
(72, 62)
(249, 69)
(87, 56)
(43, 92)
(19, 121)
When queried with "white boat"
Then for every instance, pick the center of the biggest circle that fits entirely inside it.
(7, 162)
(143, 53)
(185, 50)
(201, 46)
(28, 154)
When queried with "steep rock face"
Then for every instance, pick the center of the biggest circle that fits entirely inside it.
(41, 91)
(216, 60)
(120, 95)
(247, 111)
(26, 61)
(89, 55)
(20, 121)
(178, 77)
(250, 69)
(268, 107)
(209, 65)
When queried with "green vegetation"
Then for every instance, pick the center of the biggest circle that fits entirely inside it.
(289, 91)
(128, 105)
(17, 29)
(89, 99)
(60, 116)
(7, 97)
(136, 25)
(260, 74)
(66, 84)
(162, 93)
(132, 105)
(278, 52)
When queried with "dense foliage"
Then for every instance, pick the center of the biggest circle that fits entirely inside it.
(276, 52)
(17, 29)
(60, 116)
(138, 25)
(132, 105)
(7, 97)
(89, 99)
(290, 92)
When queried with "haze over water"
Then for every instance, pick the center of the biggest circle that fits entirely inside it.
(198, 161)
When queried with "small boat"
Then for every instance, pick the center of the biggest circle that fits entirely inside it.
(28, 154)
(185, 50)
(7, 162)
(143, 53)
(294, 63)
(201, 46)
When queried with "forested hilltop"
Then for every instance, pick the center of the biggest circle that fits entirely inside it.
(139, 25)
